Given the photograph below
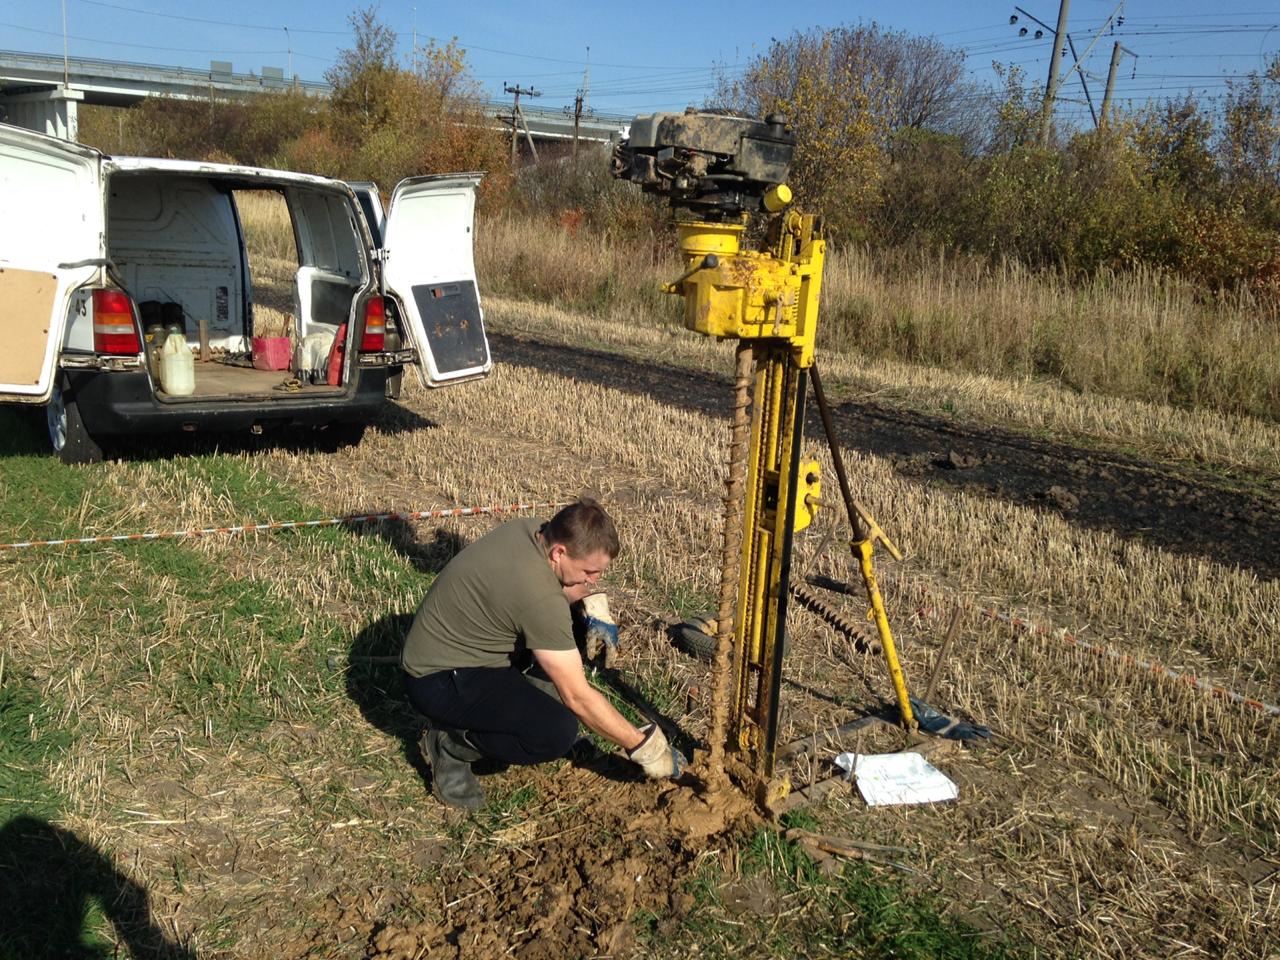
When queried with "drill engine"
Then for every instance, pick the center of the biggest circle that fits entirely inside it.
(714, 165)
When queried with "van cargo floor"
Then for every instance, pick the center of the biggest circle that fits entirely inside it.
(225, 380)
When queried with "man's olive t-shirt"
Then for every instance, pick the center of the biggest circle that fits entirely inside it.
(494, 598)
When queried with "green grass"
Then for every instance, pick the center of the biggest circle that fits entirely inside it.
(31, 738)
(240, 654)
(193, 631)
(856, 913)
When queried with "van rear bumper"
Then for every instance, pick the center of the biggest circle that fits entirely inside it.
(114, 403)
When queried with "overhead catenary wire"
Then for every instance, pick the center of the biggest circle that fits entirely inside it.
(270, 526)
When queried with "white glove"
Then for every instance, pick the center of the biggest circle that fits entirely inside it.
(656, 757)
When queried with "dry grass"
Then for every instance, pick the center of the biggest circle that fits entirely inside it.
(224, 764)
(1116, 812)
(1119, 808)
(1229, 442)
(1139, 335)
(268, 228)
(1142, 334)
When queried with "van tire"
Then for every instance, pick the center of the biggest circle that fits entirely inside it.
(68, 438)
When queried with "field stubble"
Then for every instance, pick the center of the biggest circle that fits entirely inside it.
(266, 797)
(1139, 335)
(1116, 811)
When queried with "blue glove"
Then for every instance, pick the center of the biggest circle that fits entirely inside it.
(600, 631)
(931, 721)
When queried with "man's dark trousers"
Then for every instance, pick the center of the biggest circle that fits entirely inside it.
(504, 716)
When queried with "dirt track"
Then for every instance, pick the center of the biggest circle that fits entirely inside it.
(1187, 511)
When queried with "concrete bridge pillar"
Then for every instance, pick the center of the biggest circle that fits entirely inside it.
(45, 111)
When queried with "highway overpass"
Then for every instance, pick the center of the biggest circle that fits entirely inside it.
(41, 92)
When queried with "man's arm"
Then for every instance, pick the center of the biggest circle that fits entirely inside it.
(564, 668)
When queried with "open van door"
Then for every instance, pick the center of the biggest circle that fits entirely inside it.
(51, 242)
(428, 265)
(370, 201)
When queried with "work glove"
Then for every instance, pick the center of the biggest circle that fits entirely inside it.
(656, 757)
(940, 725)
(601, 631)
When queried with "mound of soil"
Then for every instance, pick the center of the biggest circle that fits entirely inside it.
(568, 884)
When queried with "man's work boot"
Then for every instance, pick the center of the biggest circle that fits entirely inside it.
(451, 756)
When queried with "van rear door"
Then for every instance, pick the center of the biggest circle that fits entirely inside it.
(51, 242)
(370, 201)
(428, 265)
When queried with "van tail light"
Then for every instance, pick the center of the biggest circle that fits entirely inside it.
(375, 326)
(113, 328)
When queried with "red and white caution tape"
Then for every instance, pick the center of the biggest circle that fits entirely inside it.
(1147, 666)
(284, 525)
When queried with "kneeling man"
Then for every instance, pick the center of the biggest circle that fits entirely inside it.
(510, 592)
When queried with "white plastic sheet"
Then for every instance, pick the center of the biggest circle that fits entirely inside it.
(893, 778)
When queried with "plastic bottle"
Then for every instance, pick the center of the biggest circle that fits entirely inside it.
(154, 336)
(177, 367)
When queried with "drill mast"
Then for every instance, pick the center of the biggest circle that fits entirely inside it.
(719, 172)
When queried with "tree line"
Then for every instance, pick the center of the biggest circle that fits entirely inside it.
(895, 145)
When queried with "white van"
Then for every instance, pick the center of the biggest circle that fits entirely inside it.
(100, 257)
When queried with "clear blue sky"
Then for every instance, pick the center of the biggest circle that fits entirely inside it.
(655, 56)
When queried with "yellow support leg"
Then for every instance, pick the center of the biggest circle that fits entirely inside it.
(886, 635)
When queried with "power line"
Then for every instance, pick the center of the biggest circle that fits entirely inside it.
(219, 23)
(145, 46)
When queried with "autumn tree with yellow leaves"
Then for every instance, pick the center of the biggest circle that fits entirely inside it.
(837, 101)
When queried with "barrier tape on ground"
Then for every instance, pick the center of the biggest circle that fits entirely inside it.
(1150, 666)
(285, 525)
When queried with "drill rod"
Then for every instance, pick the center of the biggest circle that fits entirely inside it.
(731, 560)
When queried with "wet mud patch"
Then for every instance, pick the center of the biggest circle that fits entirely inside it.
(569, 883)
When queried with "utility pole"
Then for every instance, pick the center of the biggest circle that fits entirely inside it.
(517, 119)
(1051, 86)
(580, 102)
(1111, 80)
(1117, 52)
(577, 119)
(1055, 61)
(66, 68)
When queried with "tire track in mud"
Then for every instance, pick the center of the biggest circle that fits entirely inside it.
(1178, 509)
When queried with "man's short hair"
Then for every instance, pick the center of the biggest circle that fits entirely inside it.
(583, 528)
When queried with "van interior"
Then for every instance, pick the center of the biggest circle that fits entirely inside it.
(270, 273)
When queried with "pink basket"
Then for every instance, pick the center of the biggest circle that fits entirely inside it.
(272, 353)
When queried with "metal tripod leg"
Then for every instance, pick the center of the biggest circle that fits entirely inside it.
(865, 532)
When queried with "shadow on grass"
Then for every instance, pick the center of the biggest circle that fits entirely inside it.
(51, 882)
(375, 684)
(23, 432)
(427, 557)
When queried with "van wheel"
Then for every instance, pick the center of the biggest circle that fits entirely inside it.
(67, 434)
(336, 436)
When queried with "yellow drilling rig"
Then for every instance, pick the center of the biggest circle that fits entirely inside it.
(753, 274)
